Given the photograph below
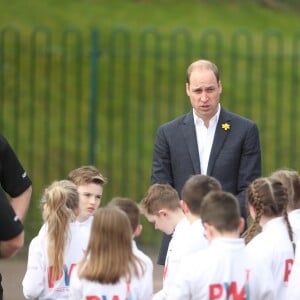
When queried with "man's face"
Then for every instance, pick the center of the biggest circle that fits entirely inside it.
(89, 199)
(204, 91)
(161, 221)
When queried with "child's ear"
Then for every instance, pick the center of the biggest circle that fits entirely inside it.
(163, 212)
(209, 232)
(138, 230)
(252, 211)
(242, 225)
(76, 211)
(184, 206)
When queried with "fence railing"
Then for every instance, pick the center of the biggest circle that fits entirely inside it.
(91, 97)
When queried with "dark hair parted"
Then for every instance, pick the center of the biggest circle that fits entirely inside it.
(269, 198)
(195, 188)
(221, 210)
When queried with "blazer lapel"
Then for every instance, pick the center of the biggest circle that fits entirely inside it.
(189, 133)
(219, 138)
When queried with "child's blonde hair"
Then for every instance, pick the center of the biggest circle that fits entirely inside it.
(86, 175)
(60, 198)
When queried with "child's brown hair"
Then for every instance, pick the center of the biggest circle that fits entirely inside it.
(195, 188)
(160, 196)
(221, 210)
(269, 198)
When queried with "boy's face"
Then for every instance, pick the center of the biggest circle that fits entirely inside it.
(161, 221)
(89, 199)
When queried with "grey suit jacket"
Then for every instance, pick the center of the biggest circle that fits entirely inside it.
(235, 158)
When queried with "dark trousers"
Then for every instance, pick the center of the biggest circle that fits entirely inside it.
(163, 249)
(1, 289)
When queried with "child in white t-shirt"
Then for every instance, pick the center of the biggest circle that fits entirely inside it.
(90, 184)
(273, 246)
(132, 210)
(161, 206)
(109, 269)
(193, 192)
(55, 251)
(291, 180)
(223, 270)
(293, 290)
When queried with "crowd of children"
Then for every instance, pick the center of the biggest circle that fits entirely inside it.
(84, 251)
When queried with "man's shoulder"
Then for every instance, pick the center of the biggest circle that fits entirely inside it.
(179, 120)
(237, 118)
(3, 143)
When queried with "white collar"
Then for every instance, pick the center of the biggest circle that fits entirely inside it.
(212, 121)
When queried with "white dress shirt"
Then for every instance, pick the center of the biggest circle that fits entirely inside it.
(205, 136)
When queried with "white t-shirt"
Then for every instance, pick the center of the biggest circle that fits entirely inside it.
(36, 284)
(294, 280)
(273, 248)
(221, 271)
(197, 240)
(294, 218)
(84, 230)
(187, 238)
(148, 282)
(138, 289)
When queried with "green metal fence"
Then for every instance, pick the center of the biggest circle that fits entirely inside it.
(91, 97)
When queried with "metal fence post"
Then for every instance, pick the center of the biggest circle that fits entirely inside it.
(93, 95)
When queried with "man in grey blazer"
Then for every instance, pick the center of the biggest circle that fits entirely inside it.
(208, 140)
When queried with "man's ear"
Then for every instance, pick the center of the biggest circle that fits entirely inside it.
(220, 86)
(138, 230)
(184, 206)
(187, 89)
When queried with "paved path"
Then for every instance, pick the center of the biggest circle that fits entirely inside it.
(13, 270)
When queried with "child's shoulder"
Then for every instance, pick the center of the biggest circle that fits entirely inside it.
(141, 255)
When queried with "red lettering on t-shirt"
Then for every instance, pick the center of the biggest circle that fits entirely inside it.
(165, 272)
(50, 281)
(233, 291)
(71, 269)
(215, 291)
(287, 269)
(102, 298)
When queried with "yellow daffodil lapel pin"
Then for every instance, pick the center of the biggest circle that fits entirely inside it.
(226, 126)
